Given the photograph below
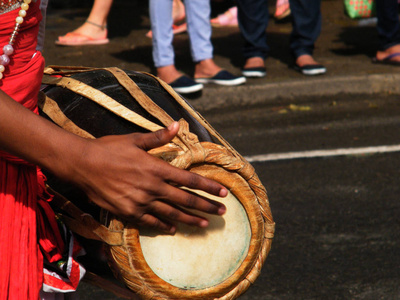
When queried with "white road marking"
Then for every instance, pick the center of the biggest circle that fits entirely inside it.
(323, 153)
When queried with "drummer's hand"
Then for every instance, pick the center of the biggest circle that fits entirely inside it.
(124, 179)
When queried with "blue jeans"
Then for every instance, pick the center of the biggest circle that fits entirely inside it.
(253, 17)
(199, 29)
(388, 23)
(307, 22)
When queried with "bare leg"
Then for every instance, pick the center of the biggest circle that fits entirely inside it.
(98, 15)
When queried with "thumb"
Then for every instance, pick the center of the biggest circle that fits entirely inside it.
(158, 138)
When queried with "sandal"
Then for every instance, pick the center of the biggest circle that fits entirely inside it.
(80, 39)
(388, 60)
(227, 19)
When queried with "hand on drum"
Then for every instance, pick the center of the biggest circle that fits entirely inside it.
(120, 176)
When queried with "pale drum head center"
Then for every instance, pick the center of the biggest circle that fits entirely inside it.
(197, 258)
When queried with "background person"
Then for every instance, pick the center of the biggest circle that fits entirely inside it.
(199, 30)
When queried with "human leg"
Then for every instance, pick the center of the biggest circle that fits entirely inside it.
(93, 31)
(253, 17)
(163, 52)
(389, 32)
(199, 29)
(178, 17)
(307, 20)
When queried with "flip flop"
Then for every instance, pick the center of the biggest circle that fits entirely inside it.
(387, 60)
(227, 19)
(78, 39)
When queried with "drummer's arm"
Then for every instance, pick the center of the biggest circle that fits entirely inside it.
(116, 172)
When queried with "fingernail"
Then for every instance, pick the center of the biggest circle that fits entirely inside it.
(203, 223)
(221, 210)
(223, 192)
(172, 230)
(171, 126)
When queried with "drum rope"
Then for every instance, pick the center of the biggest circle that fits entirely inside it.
(53, 111)
(101, 99)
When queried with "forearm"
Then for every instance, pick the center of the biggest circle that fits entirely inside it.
(116, 172)
(31, 137)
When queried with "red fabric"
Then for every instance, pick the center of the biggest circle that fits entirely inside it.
(21, 262)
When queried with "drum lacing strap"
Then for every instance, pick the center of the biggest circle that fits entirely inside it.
(101, 99)
(195, 114)
(53, 111)
(107, 102)
(83, 223)
(68, 70)
(153, 109)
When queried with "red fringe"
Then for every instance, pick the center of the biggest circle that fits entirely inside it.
(20, 263)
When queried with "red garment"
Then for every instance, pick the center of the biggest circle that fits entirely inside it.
(21, 261)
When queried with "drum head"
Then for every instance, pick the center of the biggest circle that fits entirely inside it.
(197, 258)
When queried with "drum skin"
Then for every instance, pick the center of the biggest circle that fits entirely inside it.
(200, 150)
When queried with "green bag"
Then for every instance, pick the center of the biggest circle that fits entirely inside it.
(357, 9)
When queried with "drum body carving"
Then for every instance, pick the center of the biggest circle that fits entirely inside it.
(219, 262)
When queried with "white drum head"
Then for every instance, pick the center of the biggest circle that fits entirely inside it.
(197, 258)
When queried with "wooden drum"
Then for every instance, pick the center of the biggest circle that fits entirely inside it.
(218, 262)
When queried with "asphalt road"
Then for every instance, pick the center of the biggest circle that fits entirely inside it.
(338, 229)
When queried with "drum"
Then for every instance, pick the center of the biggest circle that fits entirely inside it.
(218, 262)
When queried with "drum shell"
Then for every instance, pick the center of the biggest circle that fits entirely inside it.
(98, 121)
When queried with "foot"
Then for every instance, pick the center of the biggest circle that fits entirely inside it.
(90, 29)
(168, 73)
(382, 55)
(206, 69)
(307, 65)
(254, 67)
(306, 59)
(282, 9)
(228, 18)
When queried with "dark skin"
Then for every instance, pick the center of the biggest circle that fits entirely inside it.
(115, 172)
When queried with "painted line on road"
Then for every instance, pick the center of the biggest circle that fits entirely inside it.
(322, 153)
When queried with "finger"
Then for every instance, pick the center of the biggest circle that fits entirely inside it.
(154, 222)
(175, 214)
(193, 181)
(158, 138)
(191, 200)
